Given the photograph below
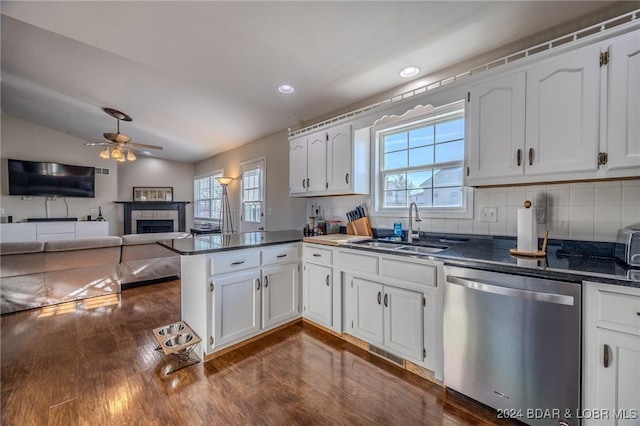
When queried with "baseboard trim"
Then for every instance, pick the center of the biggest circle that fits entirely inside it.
(128, 286)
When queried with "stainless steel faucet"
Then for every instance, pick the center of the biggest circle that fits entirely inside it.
(410, 236)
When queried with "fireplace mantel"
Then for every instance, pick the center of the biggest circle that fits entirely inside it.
(130, 206)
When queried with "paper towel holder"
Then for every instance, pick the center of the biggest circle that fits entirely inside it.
(539, 253)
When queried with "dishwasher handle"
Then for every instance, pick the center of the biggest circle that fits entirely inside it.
(495, 288)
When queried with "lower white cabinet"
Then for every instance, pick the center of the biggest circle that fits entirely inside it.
(231, 296)
(48, 231)
(611, 373)
(317, 289)
(389, 316)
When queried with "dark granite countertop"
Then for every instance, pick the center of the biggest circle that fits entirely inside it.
(566, 260)
(211, 243)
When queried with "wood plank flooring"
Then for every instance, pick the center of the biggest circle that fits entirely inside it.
(94, 363)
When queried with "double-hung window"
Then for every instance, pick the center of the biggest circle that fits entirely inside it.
(422, 161)
(207, 198)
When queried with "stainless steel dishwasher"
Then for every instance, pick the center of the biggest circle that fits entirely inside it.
(513, 343)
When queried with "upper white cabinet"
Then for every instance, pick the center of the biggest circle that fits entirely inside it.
(496, 127)
(547, 122)
(623, 102)
(330, 162)
(562, 104)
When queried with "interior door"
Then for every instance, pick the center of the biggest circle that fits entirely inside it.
(252, 196)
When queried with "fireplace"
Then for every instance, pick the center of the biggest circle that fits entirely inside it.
(154, 216)
(147, 226)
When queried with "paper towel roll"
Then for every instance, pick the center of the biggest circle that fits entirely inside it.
(527, 230)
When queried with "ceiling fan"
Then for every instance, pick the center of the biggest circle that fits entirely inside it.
(118, 145)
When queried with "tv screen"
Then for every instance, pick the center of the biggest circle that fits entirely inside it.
(50, 179)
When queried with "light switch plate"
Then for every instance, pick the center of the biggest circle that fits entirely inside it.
(489, 214)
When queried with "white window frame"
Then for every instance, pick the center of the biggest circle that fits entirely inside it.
(212, 176)
(415, 117)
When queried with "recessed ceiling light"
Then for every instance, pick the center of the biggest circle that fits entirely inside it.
(285, 88)
(409, 72)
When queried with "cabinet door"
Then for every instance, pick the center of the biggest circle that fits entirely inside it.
(623, 129)
(367, 310)
(237, 304)
(318, 293)
(298, 166)
(279, 294)
(563, 98)
(340, 162)
(317, 163)
(403, 321)
(496, 128)
(618, 385)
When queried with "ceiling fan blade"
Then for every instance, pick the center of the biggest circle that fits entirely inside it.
(117, 137)
(143, 145)
(98, 144)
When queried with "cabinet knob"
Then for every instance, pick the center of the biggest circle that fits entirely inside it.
(519, 157)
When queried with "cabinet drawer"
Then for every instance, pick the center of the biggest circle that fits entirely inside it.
(408, 271)
(619, 309)
(280, 254)
(56, 228)
(221, 263)
(358, 262)
(315, 254)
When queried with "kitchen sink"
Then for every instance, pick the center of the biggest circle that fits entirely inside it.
(404, 248)
(422, 249)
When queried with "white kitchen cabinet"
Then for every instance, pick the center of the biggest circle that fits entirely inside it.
(562, 104)
(623, 103)
(317, 290)
(388, 316)
(330, 162)
(611, 348)
(280, 293)
(237, 306)
(497, 127)
(230, 296)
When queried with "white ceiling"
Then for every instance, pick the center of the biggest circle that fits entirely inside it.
(200, 78)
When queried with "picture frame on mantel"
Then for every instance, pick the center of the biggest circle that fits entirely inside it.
(152, 193)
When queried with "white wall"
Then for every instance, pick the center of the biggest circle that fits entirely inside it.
(286, 213)
(24, 140)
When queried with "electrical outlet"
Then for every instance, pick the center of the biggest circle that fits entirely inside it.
(541, 214)
(489, 214)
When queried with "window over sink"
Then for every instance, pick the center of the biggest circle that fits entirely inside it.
(420, 158)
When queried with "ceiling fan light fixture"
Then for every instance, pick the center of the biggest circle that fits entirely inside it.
(286, 89)
(131, 156)
(121, 160)
(105, 153)
(116, 153)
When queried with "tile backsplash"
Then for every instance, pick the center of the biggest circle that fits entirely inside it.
(590, 211)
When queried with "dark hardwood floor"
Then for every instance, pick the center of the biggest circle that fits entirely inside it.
(94, 363)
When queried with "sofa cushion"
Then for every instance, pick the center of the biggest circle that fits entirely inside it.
(82, 243)
(151, 238)
(21, 247)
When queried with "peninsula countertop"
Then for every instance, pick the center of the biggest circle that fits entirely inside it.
(211, 243)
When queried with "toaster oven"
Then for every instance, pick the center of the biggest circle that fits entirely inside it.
(628, 245)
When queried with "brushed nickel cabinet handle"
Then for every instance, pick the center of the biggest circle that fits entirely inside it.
(519, 157)
(379, 297)
(606, 356)
(386, 300)
(327, 280)
(531, 156)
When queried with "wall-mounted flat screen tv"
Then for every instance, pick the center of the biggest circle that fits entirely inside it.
(50, 179)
